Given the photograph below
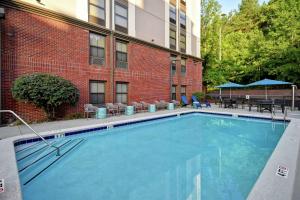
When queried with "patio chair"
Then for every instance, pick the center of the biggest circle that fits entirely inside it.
(164, 104)
(176, 103)
(158, 105)
(145, 105)
(138, 107)
(196, 102)
(111, 108)
(89, 108)
(207, 104)
(121, 108)
(184, 101)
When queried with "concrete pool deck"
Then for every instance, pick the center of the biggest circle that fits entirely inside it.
(268, 185)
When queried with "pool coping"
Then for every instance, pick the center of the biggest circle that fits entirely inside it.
(267, 186)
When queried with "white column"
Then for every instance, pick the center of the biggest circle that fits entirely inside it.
(189, 14)
(131, 18)
(177, 24)
(167, 23)
(107, 13)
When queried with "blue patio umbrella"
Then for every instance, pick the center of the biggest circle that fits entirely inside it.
(268, 82)
(229, 85)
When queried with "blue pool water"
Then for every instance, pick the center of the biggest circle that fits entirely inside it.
(190, 157)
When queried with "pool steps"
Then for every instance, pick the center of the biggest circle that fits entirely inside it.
(35, 150)
(34, 158)
(35, 164)
(19, 150)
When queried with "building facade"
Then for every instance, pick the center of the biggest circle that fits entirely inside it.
(111, 50)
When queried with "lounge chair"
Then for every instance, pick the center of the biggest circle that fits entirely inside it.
(176, 103)
(89, 108)
(158, 105)
(164, 104)
(145, 105)
(184, 101)
(161, 104)
(137, 106)
(121, 108)
(111, 108)
(207, 104)
(196, 102)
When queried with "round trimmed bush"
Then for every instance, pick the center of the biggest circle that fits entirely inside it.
(45, 91)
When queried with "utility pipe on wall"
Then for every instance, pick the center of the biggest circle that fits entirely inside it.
(2, 16)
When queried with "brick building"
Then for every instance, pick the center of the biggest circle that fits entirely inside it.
(145, 50)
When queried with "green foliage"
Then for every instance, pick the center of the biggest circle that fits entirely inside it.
(45, 91)
(199, 95)
(74, 116)
(255, 42)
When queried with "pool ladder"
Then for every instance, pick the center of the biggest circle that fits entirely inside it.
(36, 133)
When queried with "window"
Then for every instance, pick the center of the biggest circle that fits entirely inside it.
(122, 93)
(121, 17)
(172, 39)
(97, 12)
(173, 64)
(172, 14)
(97, 92)
(183, 67)
(97, 49)
(121, 52)
(173, 92)
(182, 42)
(182, 20)
(183, 90)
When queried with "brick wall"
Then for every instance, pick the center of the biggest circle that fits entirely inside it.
(33, 43)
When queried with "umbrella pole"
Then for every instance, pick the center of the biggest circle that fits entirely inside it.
(266, 92)
(230, 92)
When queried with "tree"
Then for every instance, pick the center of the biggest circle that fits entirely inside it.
(45, 91)
(258, 41)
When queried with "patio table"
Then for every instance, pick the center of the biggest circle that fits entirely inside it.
(265, 105)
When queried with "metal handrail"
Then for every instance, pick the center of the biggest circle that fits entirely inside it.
(285, 115)
(43, 139)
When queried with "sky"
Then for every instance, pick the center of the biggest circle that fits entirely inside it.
(228, 5)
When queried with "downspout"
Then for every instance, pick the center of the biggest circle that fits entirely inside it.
(112, 71)
(2, 16)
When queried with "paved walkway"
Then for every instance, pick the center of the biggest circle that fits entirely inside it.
(11, 131)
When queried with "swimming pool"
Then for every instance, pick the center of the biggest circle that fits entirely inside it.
(194, 156)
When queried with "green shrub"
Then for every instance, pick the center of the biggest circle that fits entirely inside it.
(74, 116)
(199, 95)
(45, 91)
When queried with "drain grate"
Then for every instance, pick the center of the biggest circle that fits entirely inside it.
(282, 171)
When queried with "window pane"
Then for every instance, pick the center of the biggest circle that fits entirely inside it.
(99, 3)
(173, 89)
(182, 89)
(119, 88)
(121, 11)
(121, 21)
(97, 12)
(182, 38)
(183, 62)
(172, 41)
(124, 88)
(94, 52)
(97, 40)
(102, 53)
(124, 98)
(172, 34)
(97, 87)
(119, 98)
(122, 47)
